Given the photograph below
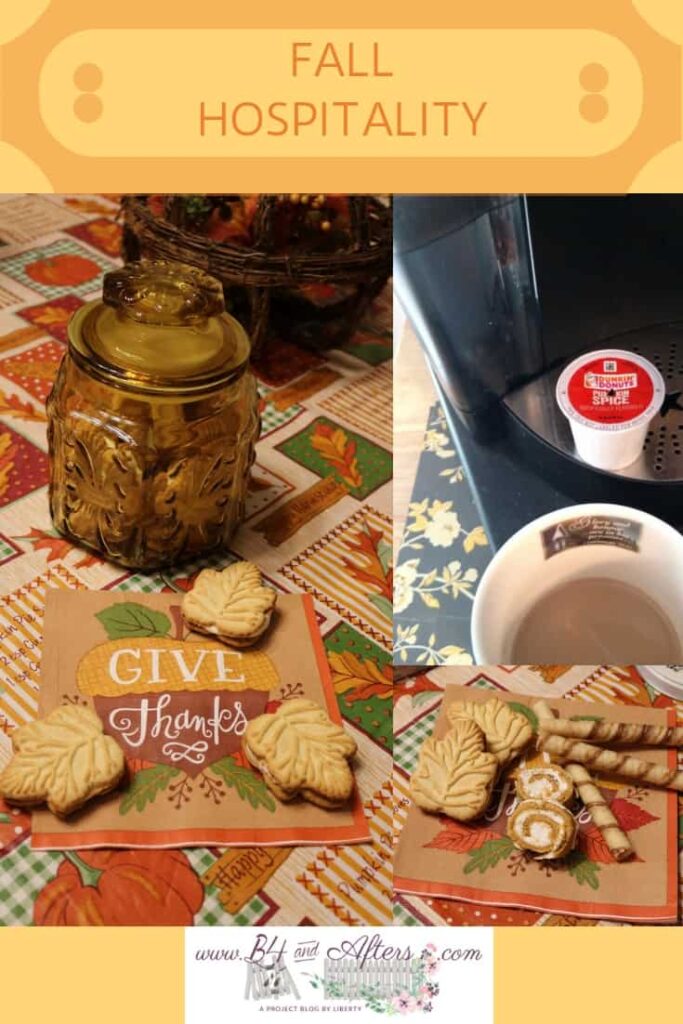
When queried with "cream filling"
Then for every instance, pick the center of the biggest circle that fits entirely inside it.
(238, 640)
(542, 787)
(291, 793)
(540, 835)
(262, 767)
(544, 784)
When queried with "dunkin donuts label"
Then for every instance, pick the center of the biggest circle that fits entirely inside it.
(610, 390)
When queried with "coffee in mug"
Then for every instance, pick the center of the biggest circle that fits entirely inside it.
(589, 584)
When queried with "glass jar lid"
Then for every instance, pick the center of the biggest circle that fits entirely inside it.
(160, 326)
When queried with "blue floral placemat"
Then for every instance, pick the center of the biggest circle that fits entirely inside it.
(441, 558)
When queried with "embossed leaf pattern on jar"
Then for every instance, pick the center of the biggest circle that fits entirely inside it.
(152, 419)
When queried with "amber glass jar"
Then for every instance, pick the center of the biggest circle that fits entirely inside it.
(152, 419)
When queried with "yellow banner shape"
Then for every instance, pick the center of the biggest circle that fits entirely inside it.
(340, 93)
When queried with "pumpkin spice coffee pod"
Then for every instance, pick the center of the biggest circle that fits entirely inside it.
(543, 828)
(301, 752)
(232, 605)
(544, 782)
(63, 760)
(610, 398)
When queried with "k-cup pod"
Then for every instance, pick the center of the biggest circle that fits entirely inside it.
(610, 398)
(589, 584)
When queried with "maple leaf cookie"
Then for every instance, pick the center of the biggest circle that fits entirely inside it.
(63, 760)
(455, 775)
(507, 731)
(300, 751)
(232, 604)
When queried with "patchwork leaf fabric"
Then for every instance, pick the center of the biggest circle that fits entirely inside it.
(317, 521)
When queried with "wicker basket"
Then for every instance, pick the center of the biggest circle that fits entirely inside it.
(265, 289)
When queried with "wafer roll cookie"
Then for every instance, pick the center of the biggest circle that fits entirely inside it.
(544, 713)
(611, 761)
(601, 815)
(627, 733)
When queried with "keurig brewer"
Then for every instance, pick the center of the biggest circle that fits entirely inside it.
(504, 292)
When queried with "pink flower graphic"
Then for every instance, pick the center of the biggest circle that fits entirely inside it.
(404, 1003)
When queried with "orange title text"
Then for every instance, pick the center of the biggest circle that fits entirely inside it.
(442, 117)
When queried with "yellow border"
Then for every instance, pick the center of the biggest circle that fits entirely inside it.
(602, 974)
(30, 154)
(86, 975)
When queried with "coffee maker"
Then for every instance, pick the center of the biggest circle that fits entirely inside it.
(504, 291)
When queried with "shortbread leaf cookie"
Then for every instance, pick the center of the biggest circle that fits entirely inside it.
(301, 752)
(63, 760)
(543, 828)
(507, 732)
(232, 604)
(455, 775)
(545, 782)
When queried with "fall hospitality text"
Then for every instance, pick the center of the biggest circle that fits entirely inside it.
(440, 117)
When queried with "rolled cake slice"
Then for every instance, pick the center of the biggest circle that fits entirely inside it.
(542, 827)
(545, 782)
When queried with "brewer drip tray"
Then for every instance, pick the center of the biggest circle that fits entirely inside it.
(662, 457)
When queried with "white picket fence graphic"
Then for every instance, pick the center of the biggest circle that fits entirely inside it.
(346, 979)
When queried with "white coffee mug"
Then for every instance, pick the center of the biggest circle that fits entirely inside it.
(580, 542)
